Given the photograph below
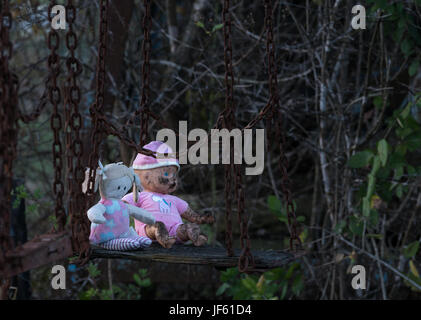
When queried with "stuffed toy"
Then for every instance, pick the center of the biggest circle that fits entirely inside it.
(110, 217)
(158, 177)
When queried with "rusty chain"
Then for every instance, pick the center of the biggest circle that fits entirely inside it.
(227, 121)
(275, 111)
(146, 71)
(246, 258)
(76, 174)
(8, 134)
(97, 107)
(54, 96)
(74, 123)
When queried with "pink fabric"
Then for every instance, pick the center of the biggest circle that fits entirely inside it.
(165, 208)
(146, 162)
(118, 222)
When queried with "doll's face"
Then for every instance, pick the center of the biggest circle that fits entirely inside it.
(117, 188)
(161, 180)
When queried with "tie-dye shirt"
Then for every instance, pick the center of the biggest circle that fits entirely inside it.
(117, 224)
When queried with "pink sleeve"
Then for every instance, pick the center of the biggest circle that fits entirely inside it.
(129, 198)
(141, 198)
(181, 205)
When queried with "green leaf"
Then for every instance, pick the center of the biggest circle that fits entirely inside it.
(399, 191)
(93, 270)
(274, 203)
(378, 102)
(222, 289)
(200, 24)
(398, 173)
(382, 148)
(411, 250)
(397, 159)
(284, 291)
(249, 283)
(146, 282)
(376, 165)
(406, 111)
(137, 279)
(356, 226)
(217, 27)
(360, 159)
(301, 219)
(411, 170)
(297, 285)
(290, 271)
(366, 207)
(413, 68)
(415, 279)
(373, 218)
(406, 47)
(414, 141)
(375, 236)
(229, 274)
(340, 226)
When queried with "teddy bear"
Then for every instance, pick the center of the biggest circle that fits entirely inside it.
(158, 177)
(110, 217)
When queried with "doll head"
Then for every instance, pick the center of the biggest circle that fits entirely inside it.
(113, 180)
(157, 174)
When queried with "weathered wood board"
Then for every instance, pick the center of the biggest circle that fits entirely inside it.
(48, 248)
(41, 250)
(188, 254)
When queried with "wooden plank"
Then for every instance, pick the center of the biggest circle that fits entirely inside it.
(49, 248)
(41, 250)
(206, 255)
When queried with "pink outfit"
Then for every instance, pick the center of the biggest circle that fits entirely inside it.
(143, 162)
(165, 208)
(115, 233)
(117, 224)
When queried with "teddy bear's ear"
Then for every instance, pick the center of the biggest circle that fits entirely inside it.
(85, 182)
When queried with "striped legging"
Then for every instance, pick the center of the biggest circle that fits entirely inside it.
(125, 244)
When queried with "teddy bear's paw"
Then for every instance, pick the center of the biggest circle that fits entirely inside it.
(166, 242)
(201, 240)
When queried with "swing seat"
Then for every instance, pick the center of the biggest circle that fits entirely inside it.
(205, 255)
(49, 248)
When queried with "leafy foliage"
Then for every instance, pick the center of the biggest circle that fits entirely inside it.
(118, 292)
(275, 284)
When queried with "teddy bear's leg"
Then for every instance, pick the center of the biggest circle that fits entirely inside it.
(159, 232)
(191, 231)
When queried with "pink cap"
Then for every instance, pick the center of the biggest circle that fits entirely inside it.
(143, 162)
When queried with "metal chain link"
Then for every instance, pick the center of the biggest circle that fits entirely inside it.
(74, 144)
(146, 71)
(227, 121)
(54, 96)
(76, 174)
(97, 107)
(275, 111)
